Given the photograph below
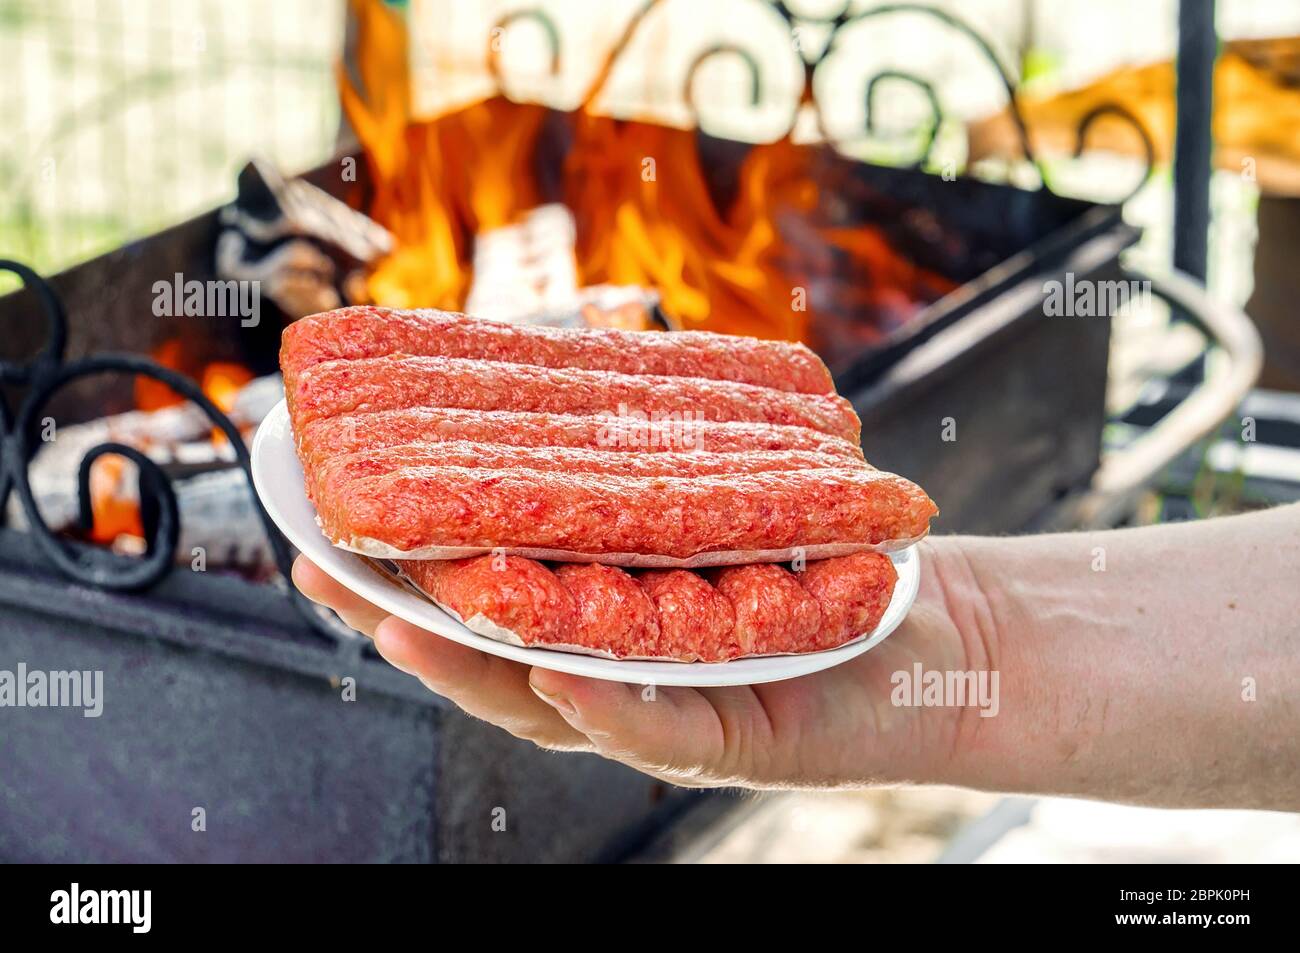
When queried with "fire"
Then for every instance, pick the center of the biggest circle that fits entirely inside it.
(221, 384)
(115, 508)
(155, 395)
(220, 381)
(114, 515)
(767, 265)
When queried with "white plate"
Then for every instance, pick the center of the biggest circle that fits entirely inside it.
(279, 481)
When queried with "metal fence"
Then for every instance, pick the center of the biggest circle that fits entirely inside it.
(119, 117)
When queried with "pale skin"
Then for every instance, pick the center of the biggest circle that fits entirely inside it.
(1155, 666)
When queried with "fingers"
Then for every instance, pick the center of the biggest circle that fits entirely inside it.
(313, 583)
(485, 686)
(678, 734)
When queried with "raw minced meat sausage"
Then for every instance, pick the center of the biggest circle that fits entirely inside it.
(773, 612)
(591, 514)
(679, 615)
(335, 473)
(332, 436)
(695, 620)
(389, 383)
(364, 332)
(610, 609)
(852, 591)
(508, 592)
(439, 436)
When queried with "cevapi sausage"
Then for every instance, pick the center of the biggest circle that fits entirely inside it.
(852, 592)
(773, 612)
(334, 436)
(388, 383)
(333, 473)
(611, 612)
(667, 614)
(413, 512)
(428, 435)
(365, 332)
(505, 593)
(696, 622)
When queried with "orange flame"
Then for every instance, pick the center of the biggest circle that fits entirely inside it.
(116, 512)
(642, 204)
(155, 395)
(222, 383)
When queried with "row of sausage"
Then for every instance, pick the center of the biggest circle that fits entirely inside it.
(710, 616)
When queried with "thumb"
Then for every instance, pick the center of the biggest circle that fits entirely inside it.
(671, 733)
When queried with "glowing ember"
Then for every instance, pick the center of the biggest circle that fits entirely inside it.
(114, 500)
(155, 395)
(115, 514)
(222, 383)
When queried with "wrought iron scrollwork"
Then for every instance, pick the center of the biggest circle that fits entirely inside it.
(498, 32)
(1005, 77)
(43, 376)
(834, 24)
(936, 111)
(1117, 111)
(746, 57)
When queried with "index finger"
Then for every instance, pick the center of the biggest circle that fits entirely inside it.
(316, 585)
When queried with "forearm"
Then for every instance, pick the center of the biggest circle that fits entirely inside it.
(1158, 665)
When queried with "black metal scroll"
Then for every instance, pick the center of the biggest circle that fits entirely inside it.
(1119, 112)
(498, 31)
(755, 73)
(834, 23)
(45, 374)
(936, 111)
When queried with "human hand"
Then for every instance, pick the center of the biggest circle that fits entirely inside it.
(837, 727)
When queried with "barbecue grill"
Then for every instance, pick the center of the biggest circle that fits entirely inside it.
(225, 694)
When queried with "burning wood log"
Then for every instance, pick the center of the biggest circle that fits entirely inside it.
(525, 269)
(625, 307)
(527, 273)
(305, 247)
(219, 526)
(216, 509)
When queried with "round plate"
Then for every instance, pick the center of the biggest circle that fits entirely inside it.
(278, 477)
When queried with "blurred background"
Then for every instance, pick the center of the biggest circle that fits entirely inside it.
(484, 150)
